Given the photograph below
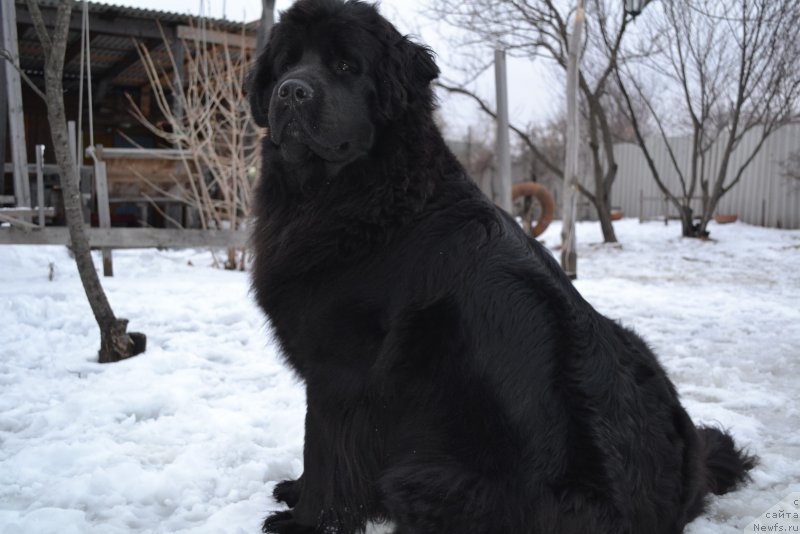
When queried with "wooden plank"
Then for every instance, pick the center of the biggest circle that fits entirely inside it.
(103, 210)
(216, 37)
(16, 121)
(136, 153)
(18, 223)
(49, 168)
(129, 237)
(27, 212)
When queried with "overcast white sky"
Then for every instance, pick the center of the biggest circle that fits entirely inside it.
(534, 94)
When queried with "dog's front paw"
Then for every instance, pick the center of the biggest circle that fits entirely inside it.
(284, 523)
(288, 492)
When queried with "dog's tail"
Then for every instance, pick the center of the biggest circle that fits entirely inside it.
(721, 468)
(726, 466)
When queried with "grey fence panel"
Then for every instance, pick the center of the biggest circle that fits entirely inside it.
(765, 195)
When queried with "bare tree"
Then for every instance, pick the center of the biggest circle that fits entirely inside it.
(539, 28)
(726, 69)
(115, 342)
(209, 120)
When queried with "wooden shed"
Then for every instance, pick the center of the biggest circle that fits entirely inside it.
(116, 71)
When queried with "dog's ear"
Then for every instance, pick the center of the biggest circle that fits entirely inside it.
(259, 87)
(404, 77)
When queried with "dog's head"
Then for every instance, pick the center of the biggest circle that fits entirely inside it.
(333, 74)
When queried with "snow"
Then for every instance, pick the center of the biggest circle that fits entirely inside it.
(192, 435)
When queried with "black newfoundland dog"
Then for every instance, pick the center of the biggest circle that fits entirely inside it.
(456, 381)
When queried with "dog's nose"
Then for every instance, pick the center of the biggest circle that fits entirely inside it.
(296, 90)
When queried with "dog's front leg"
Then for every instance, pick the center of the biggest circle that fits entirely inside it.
(309, 495)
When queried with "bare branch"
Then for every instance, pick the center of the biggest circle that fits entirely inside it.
(524, 137)
(212, 126)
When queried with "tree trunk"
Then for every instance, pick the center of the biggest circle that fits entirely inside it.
(604, 214)
(602, 180)
(709, 207)
(115, 343)
(602, 187)
(687, 221)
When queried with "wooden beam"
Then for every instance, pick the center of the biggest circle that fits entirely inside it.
(129, 237)
(198, 35)
(16, 120)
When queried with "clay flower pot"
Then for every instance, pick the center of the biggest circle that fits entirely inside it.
(725, 218)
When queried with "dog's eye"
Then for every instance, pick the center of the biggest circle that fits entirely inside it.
(344, 66)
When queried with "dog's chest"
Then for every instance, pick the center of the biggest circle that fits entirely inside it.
(327, 320)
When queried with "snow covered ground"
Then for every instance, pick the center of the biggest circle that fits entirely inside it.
(192, 435)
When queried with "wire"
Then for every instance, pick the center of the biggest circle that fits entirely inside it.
(79, 140)
(89, 71)
(86, 60)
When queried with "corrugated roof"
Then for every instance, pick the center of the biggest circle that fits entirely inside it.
(114, 57)
(140, 13)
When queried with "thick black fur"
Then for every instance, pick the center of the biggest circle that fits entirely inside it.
(456, 381)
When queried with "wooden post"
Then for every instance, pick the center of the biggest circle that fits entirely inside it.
(16, 122)
(502, 189)
(103, 210)
(40, 183)
(569, 254)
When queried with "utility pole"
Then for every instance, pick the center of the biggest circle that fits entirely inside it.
(267, 21)
(569, 254)
(502, 185)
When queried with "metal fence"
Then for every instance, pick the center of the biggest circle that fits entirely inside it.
(765, 196)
